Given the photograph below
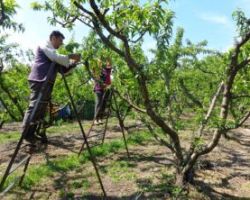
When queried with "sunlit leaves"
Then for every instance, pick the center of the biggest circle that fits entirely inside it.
(36, 6)
(242, 22)
(9, 8)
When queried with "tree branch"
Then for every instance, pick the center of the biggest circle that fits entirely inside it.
(163, 142)
(139, 38)
(243, 119)
(84, 22)
(189, 95)
(231, 72)
(211, 107)
(243, 64)
(1, 65)
(98, 30)
(241, 122)
(65, 23)
(237, 46)
(83, 9)
(105, 24)
(130, 103)
(136, 70)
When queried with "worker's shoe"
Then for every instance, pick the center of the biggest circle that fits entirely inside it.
(32, 139)
(42, 137)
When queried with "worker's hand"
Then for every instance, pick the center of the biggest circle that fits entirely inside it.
(76, 57)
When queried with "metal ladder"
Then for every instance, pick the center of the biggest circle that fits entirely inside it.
(10, 168)
(96, 136)
(25, 161)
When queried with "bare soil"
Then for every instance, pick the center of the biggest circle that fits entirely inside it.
(222, 174)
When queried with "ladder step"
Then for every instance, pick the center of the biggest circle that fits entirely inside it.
(101, 134)
(19, 164)
(10, 186)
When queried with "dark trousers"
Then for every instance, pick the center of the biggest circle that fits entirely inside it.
(101, 99)
(39, 115)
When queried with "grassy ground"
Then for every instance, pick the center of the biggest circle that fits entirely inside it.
(56, 172)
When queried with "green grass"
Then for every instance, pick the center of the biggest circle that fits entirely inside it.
(60, 128)
(84, 184)
(9, 136)
(120, 170)
(35, 174)
(117, 170)
(65, 127)
(64, 164)
(68, 195)
(165, 185)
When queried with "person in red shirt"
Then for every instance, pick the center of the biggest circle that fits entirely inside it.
(102, 84)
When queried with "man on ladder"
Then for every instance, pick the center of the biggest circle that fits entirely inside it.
(45, 56)
(42, 78)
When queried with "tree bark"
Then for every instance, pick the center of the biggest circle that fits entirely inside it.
(13, 99)
(2, 14)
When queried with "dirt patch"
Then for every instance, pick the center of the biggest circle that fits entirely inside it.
(14, 126)
(225, 174)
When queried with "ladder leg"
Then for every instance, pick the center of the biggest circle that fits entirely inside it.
(105, 130)
(25, 169)
(90, 129)
(30, 119)
(121, 125)
(97, 112)
(109, 111)
(92, 158)
(13, 158)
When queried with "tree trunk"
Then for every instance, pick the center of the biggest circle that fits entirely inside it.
(7, 109)
(13, 100)
(183, 177)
